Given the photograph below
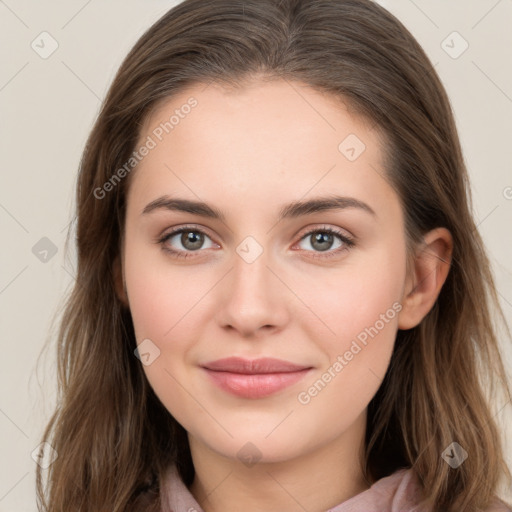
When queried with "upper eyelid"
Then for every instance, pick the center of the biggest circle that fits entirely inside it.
(175, 231)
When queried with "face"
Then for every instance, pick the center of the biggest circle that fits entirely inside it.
(258, 273)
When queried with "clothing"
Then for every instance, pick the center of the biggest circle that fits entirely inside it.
(395, 493)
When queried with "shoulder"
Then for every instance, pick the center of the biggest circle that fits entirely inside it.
(408, 487)
(408, 491)
(174, 494)
(403, 486)
(398, 492)
(498, 505)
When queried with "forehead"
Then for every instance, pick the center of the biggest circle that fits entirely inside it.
(259, 108)
(265, 141)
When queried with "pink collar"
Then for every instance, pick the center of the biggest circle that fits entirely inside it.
(395, 493)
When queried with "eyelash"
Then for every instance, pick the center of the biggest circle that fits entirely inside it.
(347, 241)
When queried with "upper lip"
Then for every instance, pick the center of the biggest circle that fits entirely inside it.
(253, 366)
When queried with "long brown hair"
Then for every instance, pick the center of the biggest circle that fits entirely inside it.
(113, 436)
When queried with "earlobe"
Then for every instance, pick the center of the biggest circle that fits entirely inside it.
(119, 281)
(427, 276)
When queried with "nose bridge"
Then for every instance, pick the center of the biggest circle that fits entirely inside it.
(254, 296)
(250, 279)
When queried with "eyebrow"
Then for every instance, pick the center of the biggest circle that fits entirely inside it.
(289, 211)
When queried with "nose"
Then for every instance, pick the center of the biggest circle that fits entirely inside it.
(254, 299)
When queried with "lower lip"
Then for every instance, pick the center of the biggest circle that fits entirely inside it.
(257, 385)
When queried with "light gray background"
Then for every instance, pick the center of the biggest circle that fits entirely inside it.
(48, 107)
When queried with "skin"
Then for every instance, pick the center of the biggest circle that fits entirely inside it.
(248, 152)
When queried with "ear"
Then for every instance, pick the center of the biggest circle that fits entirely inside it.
(119, 285)
(426, 277)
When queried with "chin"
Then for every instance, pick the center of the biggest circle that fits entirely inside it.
(250, 446)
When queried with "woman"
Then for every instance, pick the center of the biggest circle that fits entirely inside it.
(283, 302)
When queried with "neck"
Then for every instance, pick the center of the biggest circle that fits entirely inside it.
(315, 481)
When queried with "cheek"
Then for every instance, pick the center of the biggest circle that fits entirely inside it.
(161, 295)
(363, 312)
(164, 305)
(167, 304)
(358, 297)
(363, 315)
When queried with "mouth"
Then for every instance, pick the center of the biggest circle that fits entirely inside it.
(256, 378)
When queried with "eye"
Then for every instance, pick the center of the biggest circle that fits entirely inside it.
(323, 239)
(190, 239)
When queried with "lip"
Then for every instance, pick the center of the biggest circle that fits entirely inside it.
(254, 378)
